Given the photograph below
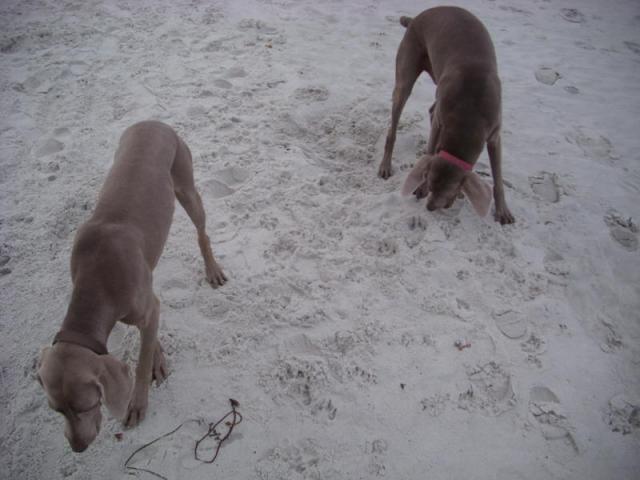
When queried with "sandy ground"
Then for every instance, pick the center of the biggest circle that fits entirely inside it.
(336, 330)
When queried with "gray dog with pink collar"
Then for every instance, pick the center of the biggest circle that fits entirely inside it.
(455, 49)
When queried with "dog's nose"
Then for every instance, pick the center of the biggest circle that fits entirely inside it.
(431, 207)
(77, 446)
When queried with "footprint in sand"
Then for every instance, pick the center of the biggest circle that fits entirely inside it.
(301, 381)
(325, 407)
(260, 26)
(377, 450)
(542, 394)
(633, 46)
(70, 215)
(594, 145)
(221, 83)
(232, 175)
(12, 44)
(197, 111)
(547, 75)
(612, 339)
(625, 238)
(436, 404)
(545, 408)
(534, 345)
(584, 45)
(61, 132)
(489, 390)
(49, 147)
(623, 414)
(623, 230)
(296, 459)
(545, 185)
(235, 72)
(343, 341)
(511, 324)
(225, 179)
(385, 247)
(217, 189)
(176, 293)
(417, 228)
(78, 68)
(312, 94)
(555, 264)
(572, 15)
(508, 8)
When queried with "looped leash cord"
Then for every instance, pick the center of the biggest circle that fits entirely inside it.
(211, 433)
(237, 418)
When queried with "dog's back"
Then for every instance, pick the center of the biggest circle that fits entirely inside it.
(453, 38)
(139, 185)
(461, 60)
(138, 193)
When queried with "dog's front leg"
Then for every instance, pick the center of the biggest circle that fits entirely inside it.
(494, 148)
(434, 135)
(432, 146)
(148, 350)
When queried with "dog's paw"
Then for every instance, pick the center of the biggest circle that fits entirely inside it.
(160, 370)
(504, 216)
(216, 277)
(384, 171)
(137, 408)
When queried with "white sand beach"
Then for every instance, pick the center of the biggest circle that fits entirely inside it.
(336, 331)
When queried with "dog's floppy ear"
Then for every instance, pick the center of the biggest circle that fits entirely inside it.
(478, 192)
(43, 355)
(115, 384)
(417, 175)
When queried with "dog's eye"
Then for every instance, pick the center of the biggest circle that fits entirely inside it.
(85, 410)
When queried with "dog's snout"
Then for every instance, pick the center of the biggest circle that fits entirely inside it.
(78, 446)
(438, 202)
(433, 203)
(79, 441)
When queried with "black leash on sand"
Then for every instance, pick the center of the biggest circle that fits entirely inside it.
(236, 418)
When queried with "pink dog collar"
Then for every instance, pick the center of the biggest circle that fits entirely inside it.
(455, 160)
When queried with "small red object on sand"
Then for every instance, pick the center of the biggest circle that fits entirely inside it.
(119, 436)
(462, 344)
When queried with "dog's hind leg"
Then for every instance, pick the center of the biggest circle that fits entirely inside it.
(187, 195)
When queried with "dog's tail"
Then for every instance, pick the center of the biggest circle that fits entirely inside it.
(405, 21)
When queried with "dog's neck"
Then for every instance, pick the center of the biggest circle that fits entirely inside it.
(462, 135)
(87, 323)
(458, 162)
(468, 151)
(82, 340)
